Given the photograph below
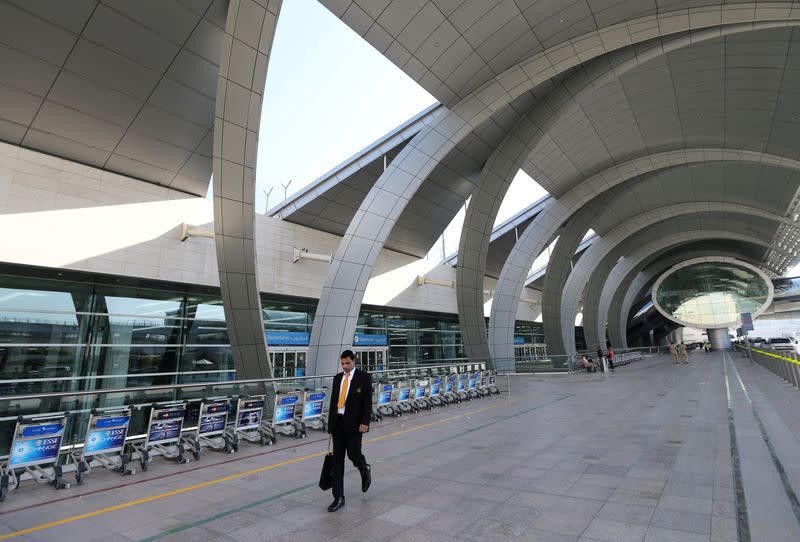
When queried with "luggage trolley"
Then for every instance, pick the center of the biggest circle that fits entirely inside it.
(385, 393)
(283, 416)
(313, 406)
(461, 387)
(104, 444)
(435, 392)
(35, 449)
(376, 415)
(449, 395)
(163, 434)
(248, 425)
(404, 402)
(472, 386)
(491, 382)
(212, 419)
(421, 395)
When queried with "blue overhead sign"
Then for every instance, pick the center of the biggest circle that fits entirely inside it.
(362, 339)
(287, 338)
(747, 322)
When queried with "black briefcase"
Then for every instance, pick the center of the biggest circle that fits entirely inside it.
(326, 476)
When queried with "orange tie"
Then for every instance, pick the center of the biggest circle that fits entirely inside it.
(343, 391)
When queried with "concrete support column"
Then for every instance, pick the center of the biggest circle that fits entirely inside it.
(719, 338)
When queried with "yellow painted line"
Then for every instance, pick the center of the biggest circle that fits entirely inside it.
(122, 506)
(770, 354)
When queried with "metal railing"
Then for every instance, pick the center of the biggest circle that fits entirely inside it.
(785, 365)
(80, 403)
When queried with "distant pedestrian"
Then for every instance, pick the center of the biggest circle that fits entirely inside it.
(683, 352)
(611, 357)
(673, 350)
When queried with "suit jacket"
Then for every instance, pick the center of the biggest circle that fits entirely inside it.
(357, 406)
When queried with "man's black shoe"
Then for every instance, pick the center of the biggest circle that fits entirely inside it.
(336, 504)
(366, 478)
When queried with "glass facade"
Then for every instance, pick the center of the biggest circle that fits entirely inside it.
(711, 294)
(69, 331)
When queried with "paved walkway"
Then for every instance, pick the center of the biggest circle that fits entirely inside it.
(643, 454)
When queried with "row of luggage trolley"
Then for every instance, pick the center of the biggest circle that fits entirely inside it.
(174, 431)
(405, 396)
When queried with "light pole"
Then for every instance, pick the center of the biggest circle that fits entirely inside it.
(267, 193)
(286, 188)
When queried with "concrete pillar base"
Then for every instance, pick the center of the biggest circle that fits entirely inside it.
(719, 338)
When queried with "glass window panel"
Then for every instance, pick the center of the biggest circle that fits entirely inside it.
(203, 363)
(712, 294)
(48, 361)
(39, 328)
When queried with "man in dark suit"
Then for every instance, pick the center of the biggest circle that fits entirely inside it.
(348, 420)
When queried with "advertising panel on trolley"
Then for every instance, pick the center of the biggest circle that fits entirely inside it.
(249, 413)
(36, 443)
(166, 424)
(106, 434)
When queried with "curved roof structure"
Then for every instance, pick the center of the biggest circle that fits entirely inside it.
(660, 125)
(616, 110)
(128, 87)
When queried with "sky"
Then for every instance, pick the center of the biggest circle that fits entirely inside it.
(328, 95)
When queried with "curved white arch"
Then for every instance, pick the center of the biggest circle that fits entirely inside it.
(512, 278)
(349, 273)
(246, 46)
(589, 263)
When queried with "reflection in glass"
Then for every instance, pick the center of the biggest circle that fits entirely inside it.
(712, 294)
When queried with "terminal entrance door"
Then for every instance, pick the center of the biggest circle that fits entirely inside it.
(372, 358)
(288, 361)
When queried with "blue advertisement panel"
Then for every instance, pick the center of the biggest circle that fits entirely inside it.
(287, 338)
(362, 339)
(448, 387)
(104, 441)
(747, 321)
(285, 408)
(384, 397)
(316, 397)
(251, 403)
(284, 413)
(212, 424)
(112, 421)
(161, 432)
(42, 430)
(471, 383)
(35, 451)
(420, 392)
(248, 419)
(404, 394)
(460, 385)
(435, 389)
(312, 409)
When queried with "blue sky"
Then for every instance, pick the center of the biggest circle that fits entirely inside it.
(329, 94)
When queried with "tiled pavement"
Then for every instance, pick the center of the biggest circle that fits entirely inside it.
(643, 454)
